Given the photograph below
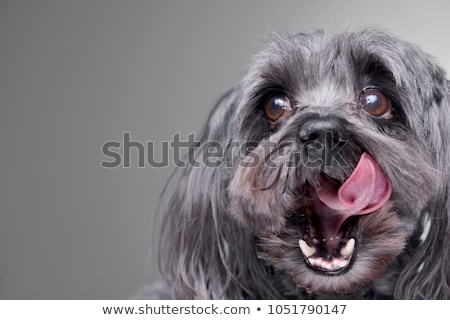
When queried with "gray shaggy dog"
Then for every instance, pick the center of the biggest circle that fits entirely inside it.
(330, 179)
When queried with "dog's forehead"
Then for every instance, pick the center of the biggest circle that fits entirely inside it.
(323, 69)
(314, 68)
(308, 61)
(327, 94)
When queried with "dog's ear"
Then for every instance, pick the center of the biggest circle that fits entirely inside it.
(427, 274)
(204, 253)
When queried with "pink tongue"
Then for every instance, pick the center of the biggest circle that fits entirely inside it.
(366, 190)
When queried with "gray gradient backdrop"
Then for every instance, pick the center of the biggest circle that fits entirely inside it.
(74, 74)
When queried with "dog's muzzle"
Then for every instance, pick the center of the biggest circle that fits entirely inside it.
(328, 245)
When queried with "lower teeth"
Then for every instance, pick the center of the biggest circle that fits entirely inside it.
(306, 249)
(349, 248)
(309, 251)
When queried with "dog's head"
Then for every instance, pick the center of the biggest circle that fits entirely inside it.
(341, 179)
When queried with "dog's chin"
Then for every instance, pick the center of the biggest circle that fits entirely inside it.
(359, 253)
(336, 236)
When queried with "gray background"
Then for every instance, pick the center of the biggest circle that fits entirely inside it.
(75, 74)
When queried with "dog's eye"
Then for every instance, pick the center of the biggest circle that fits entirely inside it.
(277, 107)
(375, 103)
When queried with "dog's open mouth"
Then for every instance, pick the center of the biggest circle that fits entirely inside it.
(331, 210)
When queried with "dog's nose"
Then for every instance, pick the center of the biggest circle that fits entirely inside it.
(323, 130)
(322, 139)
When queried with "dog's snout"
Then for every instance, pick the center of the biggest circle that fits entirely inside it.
(324, 140)
(321, 129)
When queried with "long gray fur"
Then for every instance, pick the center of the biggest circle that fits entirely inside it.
(221, 239)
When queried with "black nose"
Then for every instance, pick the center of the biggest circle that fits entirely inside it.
(323, 139)
(323, 130)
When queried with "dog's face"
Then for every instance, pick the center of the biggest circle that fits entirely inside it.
(341, 183)
(339, 165)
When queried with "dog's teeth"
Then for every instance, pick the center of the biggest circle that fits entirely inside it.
(306, 249)
(349, 247)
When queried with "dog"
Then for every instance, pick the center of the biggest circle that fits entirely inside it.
(333, 182)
